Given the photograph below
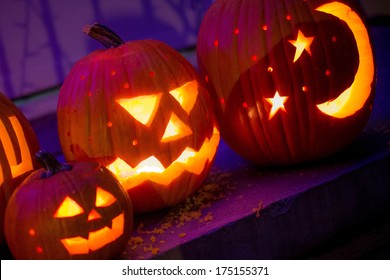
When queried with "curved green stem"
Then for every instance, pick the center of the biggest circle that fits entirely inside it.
(51, 164)
(103, 35)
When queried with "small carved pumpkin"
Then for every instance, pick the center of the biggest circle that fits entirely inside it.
(292, 80)
(77, 211)
(140, 109)
(18, 144)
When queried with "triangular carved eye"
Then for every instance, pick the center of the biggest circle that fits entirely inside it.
(103, 198)
(68, 208)
(142, 108)
(175, 129)
(186, 95)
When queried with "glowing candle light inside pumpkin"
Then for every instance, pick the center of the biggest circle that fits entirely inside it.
(96, 239)
(186, 95)
(354, 97)
(189, 160)
(277, 103)
(17, 168)
(301, 43)
(142, 108)
(150, 164)
(176, 129)
(93, 215)
(68, 208)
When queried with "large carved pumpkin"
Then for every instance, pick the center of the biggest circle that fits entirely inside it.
(18, 144)
(76, 211)
(292, 80)
(140, 109)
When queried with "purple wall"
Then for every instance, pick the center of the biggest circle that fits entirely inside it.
(40, 40)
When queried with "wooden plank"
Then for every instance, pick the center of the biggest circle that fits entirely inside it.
(245, 212)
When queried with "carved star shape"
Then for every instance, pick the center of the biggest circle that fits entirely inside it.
(277, 103)
(301, 44)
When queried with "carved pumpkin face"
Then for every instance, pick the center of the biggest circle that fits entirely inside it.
(292, 79)
(172, 131)
(18, 144)
(82, 213)
(141, 110)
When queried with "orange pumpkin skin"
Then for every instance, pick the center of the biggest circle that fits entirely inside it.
(18, 144)
(94, 124)
(78, 212)
(292, 80)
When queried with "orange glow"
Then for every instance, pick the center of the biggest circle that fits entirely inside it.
(17, 168)
(103, 198)
(186, 95)
(151, 168)
(354, 97)
(96, 239)
(301, 43)
(175, 129)
(142, 108)
(277, 103)
(68, 208)
(93, 215)
(151, 164)
(39, 250)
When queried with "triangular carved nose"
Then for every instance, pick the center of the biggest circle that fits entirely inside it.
(93, 215)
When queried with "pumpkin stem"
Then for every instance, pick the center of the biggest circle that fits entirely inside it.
(51, 164)
(103, 35)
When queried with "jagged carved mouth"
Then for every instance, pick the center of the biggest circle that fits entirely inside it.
(96, 239)
(151, 168)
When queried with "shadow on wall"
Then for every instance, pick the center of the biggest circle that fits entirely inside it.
(40, 40)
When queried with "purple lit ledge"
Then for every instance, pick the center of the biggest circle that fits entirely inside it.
(244, 212)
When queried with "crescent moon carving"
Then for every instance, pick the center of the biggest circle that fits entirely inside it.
(353, 98)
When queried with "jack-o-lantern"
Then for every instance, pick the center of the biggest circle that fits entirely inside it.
(77, 211)
(140, 109)
(18, 144)
(292, 80)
